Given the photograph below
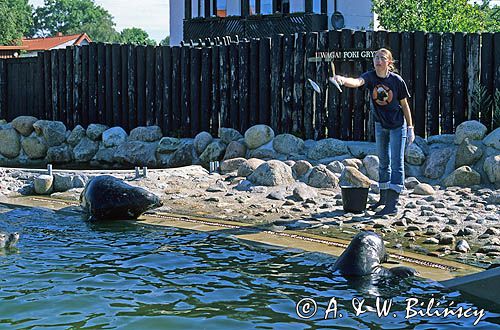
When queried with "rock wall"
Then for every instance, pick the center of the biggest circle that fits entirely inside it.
(468, 157)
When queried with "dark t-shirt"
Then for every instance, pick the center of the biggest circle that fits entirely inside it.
(386, 94)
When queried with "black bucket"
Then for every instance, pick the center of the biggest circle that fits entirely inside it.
(354, 199)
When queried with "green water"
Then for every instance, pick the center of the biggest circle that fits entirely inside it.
(70, 274)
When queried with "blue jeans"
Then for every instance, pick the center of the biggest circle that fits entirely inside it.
(391, 150)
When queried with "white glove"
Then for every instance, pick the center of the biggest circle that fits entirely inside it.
(410, 135)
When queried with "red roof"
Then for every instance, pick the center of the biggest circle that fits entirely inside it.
(51, 42)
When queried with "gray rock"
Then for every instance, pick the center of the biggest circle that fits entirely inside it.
(201, 141)
(414, 155)
(79, 181)
(248, 167)
(235, 149)
(462, 246)
(288, 144)
(336, 166)
(105, 155)
(24, 124)
(183, 156)
(244, 185)
(463, 177)
(43, 184)
(435, 164)
(300, 168)
(446, 239)
(277, 195)
(472, 129)
(34, 147)
(228, 135)
(493, 139)
(10, 145)
(59, 154)
(146, 134)
(352, 177)
(54, 132)
(76, 135)
(361, 149)
(422, 144)
(441, 139)
(272, 173)
(423, 189)
(327, 148)
(214, 151)
(94, 131)
(302, 192)
(85, 150)
(411, 182)
(321, 177)
(136, 153)
(467, 154)
(258, 135)
(168, 145)
(371, 164)
(114, 136)
(62, 182)
(353, 162)
(491, 167)
(265, 151)
(231, 165)
(413, 170)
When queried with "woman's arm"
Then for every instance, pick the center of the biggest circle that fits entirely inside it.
(406, 111)
(349, 82)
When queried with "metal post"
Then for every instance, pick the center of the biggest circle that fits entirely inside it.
(145, 172)
(137, 174)
(49, 169)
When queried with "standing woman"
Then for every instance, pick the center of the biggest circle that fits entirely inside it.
(393, 125)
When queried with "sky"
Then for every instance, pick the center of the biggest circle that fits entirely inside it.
(149, 15)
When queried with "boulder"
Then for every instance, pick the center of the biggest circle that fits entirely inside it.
(300, 168)
(336, 166)
(43, 184)
(10, 144)
(303, 192)
(201, 141)
(34, 147)
(59, 154)
(214, 151)
(24, 124)
(435, 164)
(266, 152)
(54, 132)
(371, 164)
(352, 177)
(168, 145)
(76, 135)
(441, 139)
(94, 131)
(288, 144)
(414, 155)
(491, 167)
(184, 156)
(258, 135)
(85, 150)
(423, 189)
(321, 177)
(361, 149)
(272, 173)
(105, 155)
(493, 139)
(353, 162)
(231, 165)
(472, 129)
(146, 134)
(228, 135)
(462, 177)
(467, 154)
(137, 153)
(114, 136)
(235, 149)
(248, 167)
(327, 148)
(62, 182)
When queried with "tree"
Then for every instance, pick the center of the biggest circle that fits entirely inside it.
(436, 15)
(72, 17)
(135, 36)
(15, 21)
(165, 42)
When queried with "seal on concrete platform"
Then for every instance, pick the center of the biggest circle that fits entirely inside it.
(108, 198)
(364, 256)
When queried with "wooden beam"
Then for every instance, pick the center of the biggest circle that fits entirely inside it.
(309, 6)
(245, 8)
(207, 8)
(188, 10)
(324, 6)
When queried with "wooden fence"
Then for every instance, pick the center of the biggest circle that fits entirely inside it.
(186, 90)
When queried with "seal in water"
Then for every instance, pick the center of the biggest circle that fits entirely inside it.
(8, 240)
(364, 255)
(108, 198)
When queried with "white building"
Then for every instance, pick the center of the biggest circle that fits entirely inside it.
(356, 14)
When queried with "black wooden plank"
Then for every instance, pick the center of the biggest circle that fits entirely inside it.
(158, 99)
(369, 122)
(254, 86)
(195, 72)
(150, 86)
(70, 111)
(28, 88)
(496, 74)
(61, 77)
(47, 83)
(206, 89)
(84, 117)
(333, 112)
(321, 80)
(39, 86)
(10, 87)
(406, 67)
(420, 89)
(124, 109)
(432, 92)
(473, 47)
(92, 83)
(116, 85)
(346, 42)
(224, 85)
(394, 45)
(101, 83)
(487, 78)
(234, 110)
(185, 92)
(77, 85)
(276, 81)
(176, 90)
(131, 86)
(140, 86)
(459, 56)
(446, 83)
(359, 104)
(215, 122)
(166, 122)
(265, 81)
(310, 73)
(297, 115)
(288, 82)
(55, 85)
(244, 81)
(3, 89)
(108, 87)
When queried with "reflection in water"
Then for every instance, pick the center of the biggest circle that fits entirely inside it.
(71, 273)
